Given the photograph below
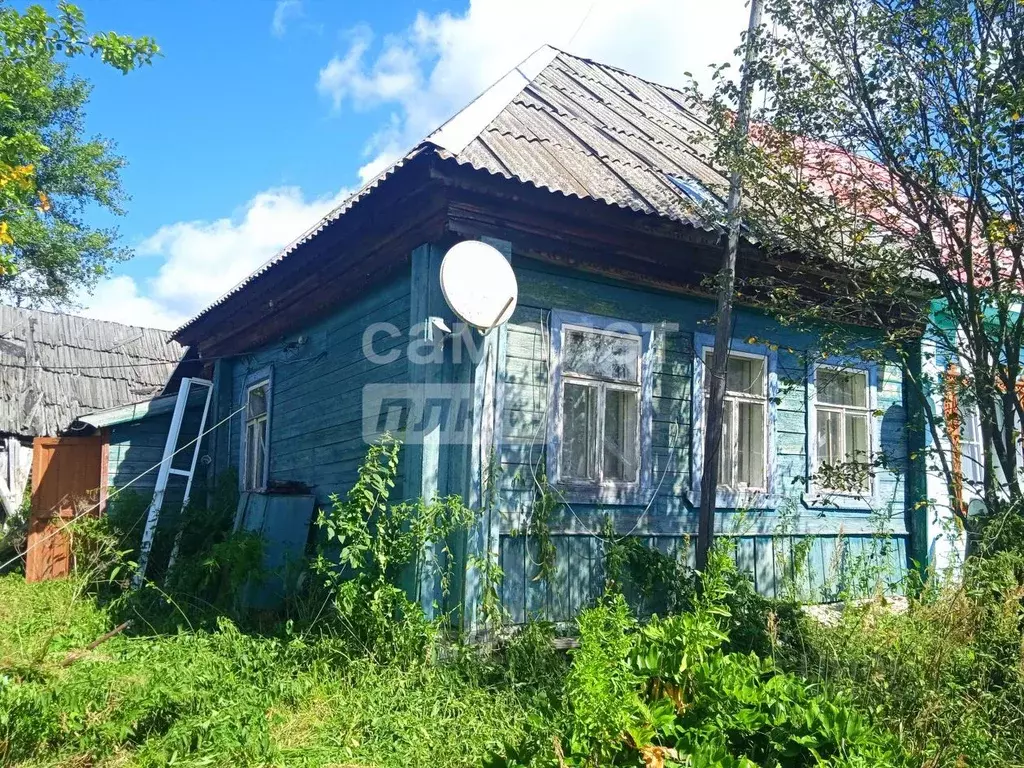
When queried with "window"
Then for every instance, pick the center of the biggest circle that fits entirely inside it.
(744, 421)
(972, 458)
(255, 436)
(600, 396)
(843, 436)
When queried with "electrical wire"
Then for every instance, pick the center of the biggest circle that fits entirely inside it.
(545, 332)
(116, 491)
(583, 21)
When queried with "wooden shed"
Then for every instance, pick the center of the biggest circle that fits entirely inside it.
(56, 369)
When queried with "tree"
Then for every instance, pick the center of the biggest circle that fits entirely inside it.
(885, 174)
(49, 173)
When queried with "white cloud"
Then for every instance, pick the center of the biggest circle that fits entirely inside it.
(442, 61)
(284, 10)
(201, 260)
(393, 76)
(118, 299)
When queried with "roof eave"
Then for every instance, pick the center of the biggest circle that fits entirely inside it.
(129, 413)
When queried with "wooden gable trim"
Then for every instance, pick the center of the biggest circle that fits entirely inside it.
(327, 272)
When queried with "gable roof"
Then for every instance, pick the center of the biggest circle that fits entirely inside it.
(572, 126)
(82, 365)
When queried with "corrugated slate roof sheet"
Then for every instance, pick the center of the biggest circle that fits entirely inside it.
(579, 128)
(84, 365)
(593, 131)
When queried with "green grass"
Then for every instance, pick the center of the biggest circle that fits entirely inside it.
(227, 698)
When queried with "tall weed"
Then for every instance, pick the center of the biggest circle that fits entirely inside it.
(669, 693)
(373, 547)
(946, 676)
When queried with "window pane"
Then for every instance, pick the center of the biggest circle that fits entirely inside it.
(857, 439)
(744, 375)
(726, 451)
(257, 401)
(620, 433)
(601, 355)
(972, 464)
(255, 452)
(579, 430)
(750, 444)
(842, 387)
(830, 424)
(973, 468)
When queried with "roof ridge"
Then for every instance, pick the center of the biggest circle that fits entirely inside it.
(470, 121)
(613, 68)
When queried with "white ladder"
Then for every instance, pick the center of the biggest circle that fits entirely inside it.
(166, 470)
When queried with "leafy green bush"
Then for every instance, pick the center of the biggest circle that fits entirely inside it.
(372, 545)
(670, 693)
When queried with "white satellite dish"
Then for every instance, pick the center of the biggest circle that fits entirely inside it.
(479, 285)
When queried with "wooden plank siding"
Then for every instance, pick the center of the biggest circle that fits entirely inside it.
(791, 550)
(136, 448)
(790, 547)
(317, 435)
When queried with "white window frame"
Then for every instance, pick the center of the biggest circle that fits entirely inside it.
(602, 385)
(261, 378)
(868, 411)
(725, 498)
(599, 490)
(971, 414)
(738, 397)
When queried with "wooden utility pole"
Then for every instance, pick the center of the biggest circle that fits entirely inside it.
(723, 330)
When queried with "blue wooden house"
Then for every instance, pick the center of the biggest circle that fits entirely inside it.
(593, 184)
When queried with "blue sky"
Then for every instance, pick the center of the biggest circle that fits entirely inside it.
(263, 114)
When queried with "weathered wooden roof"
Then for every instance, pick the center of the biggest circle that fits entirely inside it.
(82, 365)
(574, 127)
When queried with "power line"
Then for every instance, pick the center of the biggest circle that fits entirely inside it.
(582, 22)
(116, 491)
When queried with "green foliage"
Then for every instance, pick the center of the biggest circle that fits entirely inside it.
(530, 660)
(370, 544)
(653, 581)
(14, 532)
(946, 675)
(214, 566)
(886, 154)
(50, 174)
(223, 697)
(670, 693)
(545, 503)
(602, 688)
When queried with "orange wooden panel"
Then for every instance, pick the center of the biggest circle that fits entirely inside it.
(67, 478)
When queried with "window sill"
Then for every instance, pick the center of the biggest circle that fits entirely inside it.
(835, 500)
